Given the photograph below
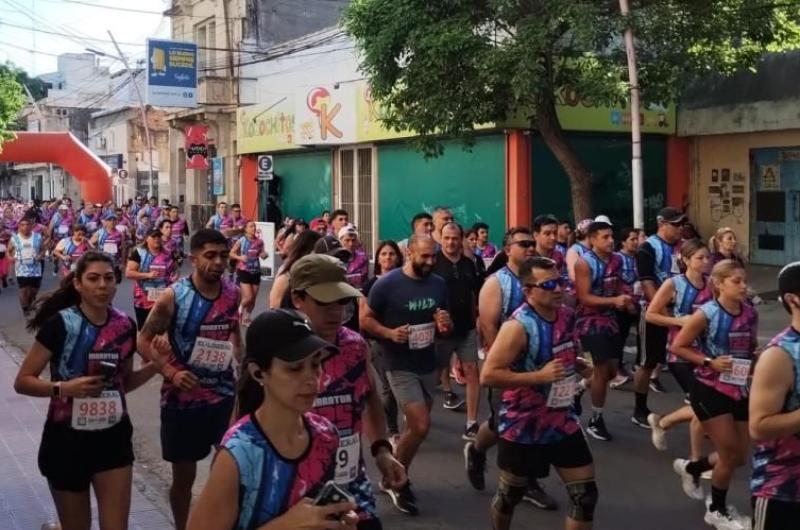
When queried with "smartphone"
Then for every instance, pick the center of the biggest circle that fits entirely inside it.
(108, 370)
(331, 493)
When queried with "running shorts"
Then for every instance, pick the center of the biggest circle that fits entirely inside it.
(141, 316)
(707, 403)
(34, 282)
(529, 460)
(69, 458)
(410, 387)
(684, 375)
(653, 340)
(248, 278)
(625, 320)
(602, 347)
(466, 348)
(188, 435)
(771, 514)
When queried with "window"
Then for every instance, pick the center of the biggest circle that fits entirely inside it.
(354, 191)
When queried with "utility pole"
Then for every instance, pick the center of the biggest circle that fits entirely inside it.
(142, 107)
(636, 126)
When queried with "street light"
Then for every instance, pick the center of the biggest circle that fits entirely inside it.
(142, 106)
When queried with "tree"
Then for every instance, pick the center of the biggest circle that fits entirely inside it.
(12, 99)
(441, 67)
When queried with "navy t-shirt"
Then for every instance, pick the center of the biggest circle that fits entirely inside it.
(398, 300)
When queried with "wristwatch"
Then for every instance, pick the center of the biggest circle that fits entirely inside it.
(56, 390)
(707, 362)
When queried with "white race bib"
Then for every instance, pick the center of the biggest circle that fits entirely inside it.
(214, 355)
(153, 293)
(738, 374)
(347, 459)
(91, 226)
(562, 392)
(122, 229)
(27, 254)
(421, 336)
(94, 414)
(109, 247)
(62, 230)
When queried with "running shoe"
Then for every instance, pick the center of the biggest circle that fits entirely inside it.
(404, 499)
(452, 401)
(597, 428)
(618, 381)
(657, 434)
(691, 486)
(470, 431)
(537, 496)
(727, 520)
(656, 386)
(475, 463)
(639, 419)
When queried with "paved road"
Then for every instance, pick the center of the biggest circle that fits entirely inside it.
(638, 490)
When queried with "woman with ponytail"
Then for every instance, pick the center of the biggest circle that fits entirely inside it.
(278, 454)
(86, 441)
(723, 246)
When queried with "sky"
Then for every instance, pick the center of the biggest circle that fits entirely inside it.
(87, 25)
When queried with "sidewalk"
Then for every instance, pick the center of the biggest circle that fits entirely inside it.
(25, 501)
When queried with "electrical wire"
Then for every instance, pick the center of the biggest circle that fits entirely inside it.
(134, 10)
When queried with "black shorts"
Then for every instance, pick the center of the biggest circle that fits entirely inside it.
(369, 524)
(189, 435)
(494, 396)
(248, 278)
(684, 375)
(707, 403)
(69, 459)
(34, 282)
(526, 460)
(141, 316)
(653, 344)
(625, 320)
(771, 514)
(602, 347)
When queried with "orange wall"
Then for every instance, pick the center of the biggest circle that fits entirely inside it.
(519, 201)
(248, 187)
(678, 170)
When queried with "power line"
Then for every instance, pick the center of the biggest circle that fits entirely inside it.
(134, 10)
(29, 50)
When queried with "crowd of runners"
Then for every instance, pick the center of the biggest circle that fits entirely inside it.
(353, 349)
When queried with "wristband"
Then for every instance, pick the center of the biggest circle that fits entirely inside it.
(377, 445)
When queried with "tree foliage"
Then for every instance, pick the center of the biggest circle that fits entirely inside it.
(441, 67)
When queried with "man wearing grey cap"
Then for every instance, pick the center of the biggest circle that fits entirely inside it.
(347, 396)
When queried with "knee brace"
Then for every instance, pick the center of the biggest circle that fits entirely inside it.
(583, 495)
(510, 490)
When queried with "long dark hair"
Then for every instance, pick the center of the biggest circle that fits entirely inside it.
(302, 245)
(387, 243)
(249, 392)
(66, 295)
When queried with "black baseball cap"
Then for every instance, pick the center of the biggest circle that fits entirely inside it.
(283, 334)
(789, 279)
(670, 215)
(331, 246)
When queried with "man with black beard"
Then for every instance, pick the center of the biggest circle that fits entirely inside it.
(406, 310)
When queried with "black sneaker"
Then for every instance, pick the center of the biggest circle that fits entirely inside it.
(404, 500)
(537, 496)
(656, 386)
(475, 463)
(470, 431)
(597, 428)
(639, 418)
(452, 401)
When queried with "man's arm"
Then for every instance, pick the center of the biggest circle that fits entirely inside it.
(236, 336)
(490, 311)
(157, 323)
(507, 347)
(646, 269)
(583, 285)
(772, 380)
(368, 321)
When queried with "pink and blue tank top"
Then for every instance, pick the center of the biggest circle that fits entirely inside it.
(270, 484)
(688, 299)
(108, 241)
(727, 334)
(510, 291)
(161, 263)
(606, 281)
(251, 249)
(343, 391)
(73, 252)
(666, 258)
(776, 463)
(24, 266)
(85, 346)
(524, 416)
(196, 316)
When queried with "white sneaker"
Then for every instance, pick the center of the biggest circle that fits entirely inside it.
(618, 381)
(692, 490)
(725, 521)
(657, 434)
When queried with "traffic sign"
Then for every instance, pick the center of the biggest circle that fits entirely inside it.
(122, 173)
(264, 167)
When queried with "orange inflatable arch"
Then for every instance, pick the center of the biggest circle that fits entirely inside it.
(63, 149)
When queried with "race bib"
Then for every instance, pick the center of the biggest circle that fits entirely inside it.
(562, 392)
(153, 293)
(421, 336)
(27, 254)
(109, 247)
(91, 226)
(738, 374)
(347, 459)
(94, 414)
(214, 355)
(62, 230)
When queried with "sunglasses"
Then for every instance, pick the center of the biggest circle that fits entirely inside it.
(549, 285)
(527, 243)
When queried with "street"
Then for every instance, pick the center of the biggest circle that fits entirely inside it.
(638, 489)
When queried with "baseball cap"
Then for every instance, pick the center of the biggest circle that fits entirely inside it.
(346, 230)
(323, 277)
(317, 223)
(283, 334)
(603, 219)
(789, 279)
(670, 215)
(331, 246)
(583, 226)
(154, 232)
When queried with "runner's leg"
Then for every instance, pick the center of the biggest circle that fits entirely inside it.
(180, 493)
(74, 509)
(113, 491)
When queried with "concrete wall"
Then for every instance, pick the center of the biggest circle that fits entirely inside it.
(746, 117)
(728, 151)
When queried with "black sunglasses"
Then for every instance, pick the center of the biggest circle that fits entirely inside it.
(525, 243)
(549, 285)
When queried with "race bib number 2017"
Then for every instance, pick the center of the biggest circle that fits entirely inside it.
(421, 336)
